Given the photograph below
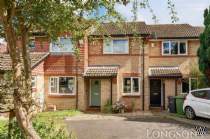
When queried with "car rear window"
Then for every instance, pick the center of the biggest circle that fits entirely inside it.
(204, 94)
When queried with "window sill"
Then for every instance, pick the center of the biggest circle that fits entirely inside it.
(61, 53)
(61, 95)
(166, 55)
(131, 95)
(113, 54)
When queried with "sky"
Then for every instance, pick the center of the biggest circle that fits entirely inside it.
(189, 11)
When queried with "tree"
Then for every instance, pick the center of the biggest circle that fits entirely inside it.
(18, 18)
(204, 49)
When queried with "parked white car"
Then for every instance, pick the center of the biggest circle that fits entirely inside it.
(197, 103)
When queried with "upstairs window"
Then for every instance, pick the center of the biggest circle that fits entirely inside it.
(174, 48)
(116, 46)
(63, 44)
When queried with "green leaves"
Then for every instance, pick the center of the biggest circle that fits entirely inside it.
(204, 50)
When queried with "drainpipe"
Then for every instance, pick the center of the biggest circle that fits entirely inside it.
(77, 83)
(111, 91)
(143, 57)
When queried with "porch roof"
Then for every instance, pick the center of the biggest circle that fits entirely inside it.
(101, 71)
(164, 72)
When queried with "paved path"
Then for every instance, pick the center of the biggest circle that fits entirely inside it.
(146, 126)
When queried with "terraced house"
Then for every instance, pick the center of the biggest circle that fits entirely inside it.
(135, 63)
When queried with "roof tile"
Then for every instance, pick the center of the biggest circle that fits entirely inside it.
(164, 72)
(36, 57)
(101, 71)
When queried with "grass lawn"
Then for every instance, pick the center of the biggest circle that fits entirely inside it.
(56, 115)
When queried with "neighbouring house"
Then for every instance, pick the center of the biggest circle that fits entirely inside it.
(37, 59)
(135, 63)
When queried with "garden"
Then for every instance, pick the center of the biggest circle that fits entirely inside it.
(49, 125)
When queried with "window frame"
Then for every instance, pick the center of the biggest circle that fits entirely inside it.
(189, 87)
(132, 93)
(35, 82)
(170, 48)
(197, 91)
(114, 53)
(59, 38)
(57, 93)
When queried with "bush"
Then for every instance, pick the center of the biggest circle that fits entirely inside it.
(107, 107)
(119, 107)
(45, 130)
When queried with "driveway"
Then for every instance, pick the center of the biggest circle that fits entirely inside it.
(96, 126)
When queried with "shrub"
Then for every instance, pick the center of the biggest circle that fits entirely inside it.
(45, 130)
(119, 107)
(107, 107)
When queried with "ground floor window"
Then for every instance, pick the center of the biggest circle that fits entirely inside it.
(62, 85)
(33, 81)
(131, 85)
(189, 84)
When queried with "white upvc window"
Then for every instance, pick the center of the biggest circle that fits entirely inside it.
(189, 84)
(62, 85)
(131, 86)
(33, 81)
(63, 44)
(174, 47)
(116, 46)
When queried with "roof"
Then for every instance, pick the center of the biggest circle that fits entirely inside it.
(166, 72)
(175, 30)
(141, 28)
(122, 28)
(36, 58)
(101, 71)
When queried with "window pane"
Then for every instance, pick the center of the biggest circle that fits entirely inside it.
(194, 83)
(201, 94)
(63, 45)
(31, 44)
(107, 46)
(127, 85)
(174, 47)
(166, 48)
(135, 85)
(53, 85)
(182, 48)
(66, 85)
(120, 46)
(185, 86)
(33, 81)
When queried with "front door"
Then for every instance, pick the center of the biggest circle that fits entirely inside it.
(95, 92)
(155, 92)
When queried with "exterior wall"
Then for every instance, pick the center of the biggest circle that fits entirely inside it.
(169, 89)
(60, 64)
(156, 58)
(82, 101)
(105, 92)
(59, 101)
(129, 66)
(38, 91)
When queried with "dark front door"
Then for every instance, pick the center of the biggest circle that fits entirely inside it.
(155, 93)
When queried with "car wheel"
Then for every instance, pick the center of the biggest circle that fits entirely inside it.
(189, 112)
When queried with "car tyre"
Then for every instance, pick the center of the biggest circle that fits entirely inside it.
(190, 113)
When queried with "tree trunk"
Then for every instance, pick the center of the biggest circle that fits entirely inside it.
(23, 102)
(11, 116)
